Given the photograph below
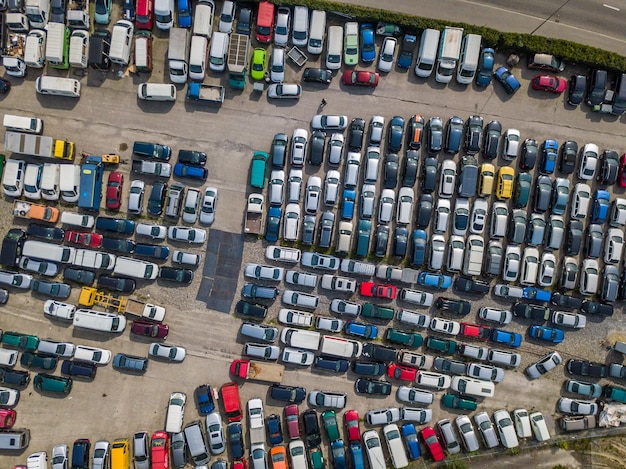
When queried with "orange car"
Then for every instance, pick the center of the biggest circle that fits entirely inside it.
(278, 456)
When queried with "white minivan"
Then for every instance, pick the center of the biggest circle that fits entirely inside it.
(219, 52)
(58, 86)
(427, 53)
(468, 63)
(121, 39)
(13, 178)
(317, 32)
(50, 181)
(156, 91)
(69, 183)
(300, 30)
(334, 52)
(198, 57)
(31, 125)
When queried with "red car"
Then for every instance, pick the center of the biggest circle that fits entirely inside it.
(351, 421)
(114, 190)
(549, 83)
(240, 463)
(432, 443)
(7, 418)
(475, 331)
(150, 329)
(159, 445)
(378, 291)
(403, 373)
(359, 78)
(291, 419)
(93, 240)
(621, 178)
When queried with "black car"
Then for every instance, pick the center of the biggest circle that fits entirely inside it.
(244, 22)
(372, 386)
(534, 312)
(14, 377)
(430, 168)
(5, 86)
(250, 309)
(48, 233)
(395, 132)
(235, 440)
(117, 225)
(576, 89)
(569, 153)
(574, 239)
(424, 210)
(528, 157)
(392, 161)
(197, 158)
(317, 75)
(381, 240)
(337, 365)
(434, 135)
(368, 368)
(12, 245)
(125, 246)
(81, 276)
(78, 368)
(317, 145)
(460, 307)
(156, 201)
(597, 87)
(593, 307)
(379, 352)
(468, 285)
(326, 227)
(400, 241)
(493, 134)
(409, 168)
(311, 428)
(80, 454)
(176, 275)
(610, 166)
(293, 394)
(585, 368)
(561, 299)
(121, 284)
(356, 131)
(473, 134)
(278, 152)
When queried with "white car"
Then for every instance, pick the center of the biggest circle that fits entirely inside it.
(485, 372)
(56, 348)
(57, 309)
(385, 208)
(447, 180)
(456, 250)
(345, 307)
(187, 234)
(530, 266)
(353, 168)
(479, 216)
(431, 379)
(283, 21)
(339, 284)
(405, 206)
(329, 122)
(258, 456)
(324, 323)
(442, 215)
(468, 435)
(538, 424)
(377, 127)
(297, 452)
(313, 194)
(170, 352)
(297, 357)
(191, 207)
(373, 448)
(613, 246)
(563, 319)
(331, 399)
(522, 423)
(292, 222)
(487, 432)
(49, 269)
(215, 431)
(227, 17)
(460, 221)
(331, 187)
(281, 254)
(135, 196)
(445, 326)
(581, 199)
(414, 395)
(588, 162)
(292, 317)
(207, 210)
(372, 164)
(98, 356)
(500, 316)
(276, 187)
(416, 414)
(187, 258)
(543, 365)
(387, 51)
(264, 272)
(437, 250)
(263, 351)
(284, 91)
(368, 201)
(9, 397)
(576, 406)
(335, 148)
(151, 230)
(512, 261)
(589, 277)
(299, 141)
(547, 270)
(277, 65)
(382, 416)
(511, 144)
(59, 456)
(100, 454)
(295, 185)
(505, 427)
(320, 261)
(303, 279)
(499, 220)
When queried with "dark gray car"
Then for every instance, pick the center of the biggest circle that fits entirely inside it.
(543, 188)
(448, 366)
(473, 134)
(52, 289)
(424, 210)
(381, 240)
(536, 229)
(308, 230)
(610, 284)
(327, 224)
(355, 134)
(493, 134)
(391, 170)
(251, 290)
(574, 237)
(593, 247)
(429, 175)
(316, 148)
(434, 135)
(454, 135)
(528, 157)
(493, 259)
(569, 157)
(179, 450)
(517, 226)
(409, 168)
(400, 242)
(279, 150)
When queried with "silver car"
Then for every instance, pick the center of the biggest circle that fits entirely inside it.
(536, 229)
(59, 457)
(264, 351)
(368, 201)
(215, 432)
(385, 209)
(141, 451)
(298, 147)
(486, 429)
(209, 202)
(479, 216)
(353, 167)
(512, 260)
(335, 148)
(100, 456)
(468, 436)
(437, 250)
(377, 126)
(295, 185)
(276, 187)
(313, 194)
(264, 272)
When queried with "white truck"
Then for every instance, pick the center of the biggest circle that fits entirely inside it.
(38, 145)
(178, 55)
(35, 51)
(94, 259)
(38, 12)
(152, 168)
(78, 14)
(13, 54)
(254, 214)
(256, 421)
(449, 52)
(58, 34)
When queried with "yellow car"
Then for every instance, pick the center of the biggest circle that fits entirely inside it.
(485, 182)
(504, 189)
(259, 63)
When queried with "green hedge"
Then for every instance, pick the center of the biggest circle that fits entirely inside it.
(519, 43)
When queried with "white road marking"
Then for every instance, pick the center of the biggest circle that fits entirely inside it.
(610, 7)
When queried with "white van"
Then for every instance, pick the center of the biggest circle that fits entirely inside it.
(32, 181)
(121, 39)
(56, 39)
(69, 183)
(395, 446)
(198, 57)
(219, 52)
(417, 297)
(156, 92)
(8, 357)
(303, 300)
(339, 347)
(77, 219)
(99, 320)
(31, 125)
(468, 62)
(427, 53)
(317, 32)
(300, 31)
(136, 268)
(48, 251)
(13, 178)
(175, 412)
(79, 48)
(58, 86)
(203, 18)
(472, 387)
(50, 181)
(35, 49)
(300, 339)
(335, 47)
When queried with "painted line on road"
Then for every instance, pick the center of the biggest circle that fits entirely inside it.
(610, 7)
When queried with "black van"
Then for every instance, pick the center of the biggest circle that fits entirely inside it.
(12, 245)
(82, 369)
(99, 45)
(619, 98)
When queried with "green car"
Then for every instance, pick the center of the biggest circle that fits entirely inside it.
(329, 419)
(521, 192)
(377, 312)
(351, 44)
(316, 458)
(445, 346)
(52, 384)
(1, 164)
(259, 63)
(455, 402)
(410, 339)
(25, 342)
(33, 360)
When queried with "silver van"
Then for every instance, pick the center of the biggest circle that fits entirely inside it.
(50, 181)
(121, 40)
(196, 444)
(334, 52)
(427, 53)
(136, 268)
(58, 86)
(14, 439)
(13, 178)
(468, 62)
(99, 320)
(77, 219)
(304, 300)
(156, 92)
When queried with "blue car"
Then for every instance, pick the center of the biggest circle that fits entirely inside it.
(500, 336)
(368, 46)
(550, 334)
(338, 454)
(549, 151)
(184, 14)
(274, 430)
(117, 225)
(485, 67)
(601, 204)
(152, 250)
(273, 224)
(332, 364)
(349, 199)
(420, 240)
(438, 281)
(536, 294)
(189, 171)
(356, 451)
(235, 440)
(410, 438)
(506, 79)
(204, 399)
(360, 329)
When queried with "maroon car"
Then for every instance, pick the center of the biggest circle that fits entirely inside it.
(150, 329)
(114, 190)
(359, 78)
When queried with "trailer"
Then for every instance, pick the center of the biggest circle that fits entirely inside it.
(297, 56)
(89, 296)
(23, 209)
(38, 145)
(254, 214)
(257, 371)
(213, 94)
(13, 54)
(238, 50)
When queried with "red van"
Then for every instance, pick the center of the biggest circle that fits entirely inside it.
(232, 404)
(144, 15)
(265, 22)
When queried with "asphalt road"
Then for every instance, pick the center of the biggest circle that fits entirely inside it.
(598, 23)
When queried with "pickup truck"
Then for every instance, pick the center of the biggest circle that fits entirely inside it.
(32, 211)
(256, 421)
(277, 253)
(338, 284)
(386, 272)
(258, 371)
(152, 168)
(210, 94)
(254, 214)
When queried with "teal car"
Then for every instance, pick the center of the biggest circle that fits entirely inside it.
(329, 419)
(21, 341)
(259, 64)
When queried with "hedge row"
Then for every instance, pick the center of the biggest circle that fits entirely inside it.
(519, 43)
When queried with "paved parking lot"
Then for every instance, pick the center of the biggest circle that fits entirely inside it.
(108, 118)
